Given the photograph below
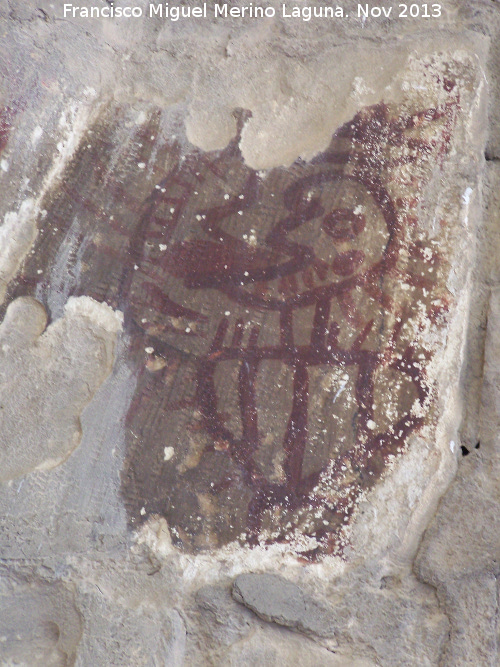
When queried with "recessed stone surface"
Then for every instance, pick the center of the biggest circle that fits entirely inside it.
(281, 321)
(292, 218)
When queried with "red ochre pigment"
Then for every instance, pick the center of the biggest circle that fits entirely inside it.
(274, 319)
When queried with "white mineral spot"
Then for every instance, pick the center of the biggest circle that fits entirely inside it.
(360, 87)
(149, 350)
(144, 320)
(168, 453)
(36, 134)
(135, 267)
(39, 271)
(466, 196)
(452, 446)
(227, 313)
(162, 247)
(4, 165)
(172, 210)
(141, 165)
(427, 253)
(226, 196)
(143, 511)
(371, 425)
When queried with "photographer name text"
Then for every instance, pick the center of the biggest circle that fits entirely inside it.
(225, 10)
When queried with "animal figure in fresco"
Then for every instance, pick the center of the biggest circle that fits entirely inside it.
(275, 320)
(320, 250)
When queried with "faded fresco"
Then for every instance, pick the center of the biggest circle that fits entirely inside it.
(275, 318)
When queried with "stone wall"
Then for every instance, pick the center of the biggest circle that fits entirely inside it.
(249, 316)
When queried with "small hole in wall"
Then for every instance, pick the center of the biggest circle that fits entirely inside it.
(478, 445)
(465, 451)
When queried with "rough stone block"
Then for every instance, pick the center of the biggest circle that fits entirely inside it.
(280, 601)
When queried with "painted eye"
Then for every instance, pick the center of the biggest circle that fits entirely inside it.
(342, 224)
(347, 262)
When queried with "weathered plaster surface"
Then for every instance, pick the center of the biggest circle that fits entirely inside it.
(48, 377)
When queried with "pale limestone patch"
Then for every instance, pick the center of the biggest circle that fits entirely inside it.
(17, 233)
(292, 112)
(47, 377)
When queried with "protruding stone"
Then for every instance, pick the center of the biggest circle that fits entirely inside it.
(278, 600)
